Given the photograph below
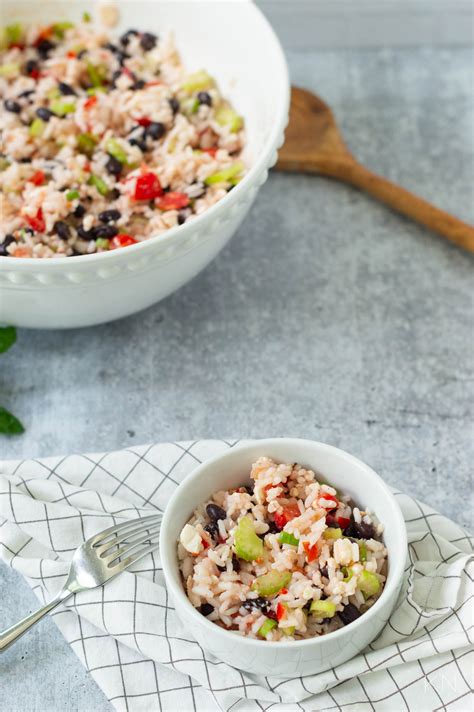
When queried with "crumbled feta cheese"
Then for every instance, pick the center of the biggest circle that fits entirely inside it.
(191, 539)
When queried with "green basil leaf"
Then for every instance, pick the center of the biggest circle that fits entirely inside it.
(7, 338)
(9, 425)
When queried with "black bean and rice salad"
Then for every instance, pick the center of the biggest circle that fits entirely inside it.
(285, 558)
(106, 141)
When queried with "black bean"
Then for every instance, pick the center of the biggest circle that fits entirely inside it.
(138, 84)
(360, 530)
(62, 230)
(155, 130)
(31, 65)
(8, 239)
(250, 488)
(349, 614)
(125, 38)
(107, 231)
(44, 47)
(44, 113)
(115, 76)
(85, 234)
(221, 568)
(25, 94)
(206, 609)
(65, 89)
(261, 604)
(113, 166)
(114, 194)
(204, 98)
(214, 512)
(324, 572)
(212, 529)
(109, 215)
(139, 143)
(79, 211)
(181, 218)
(174, 105)
(25, 160)
(235, 564)
(12, 106)
(273, 528)
(148, 41)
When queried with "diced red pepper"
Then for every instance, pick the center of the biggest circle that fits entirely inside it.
(290, 511)
(205, 543)
(281, 611)
(329, 498)
(35, 74)
(312, 552)
(121, 240)
(144, 121)
(211, 151)
(37, 221)
(38, 178)
(71, 54)
(147, 187)
(173, 201)
(343, 522)
(91, 101)
(284, 590)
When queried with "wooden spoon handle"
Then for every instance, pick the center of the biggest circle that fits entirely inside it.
(406, 203)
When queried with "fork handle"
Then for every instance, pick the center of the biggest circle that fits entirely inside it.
(10, 635)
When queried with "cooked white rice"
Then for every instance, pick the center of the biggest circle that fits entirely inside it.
(333, 566)
(90, 123)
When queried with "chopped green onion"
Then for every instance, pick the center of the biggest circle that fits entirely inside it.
(116, 150)
(286, 538)
(37, 127)
(197, 81)
(226, 174)
(72, 195)
(225, 116)
(96, 74)
(61, 108)
(332, 533)
(86, 17)
(14, 33)
(59, 28)
(9, 70)
(102, 242)
(98, 183)
(86, 143)
(362, 551)
(323, 609)
(266, 627)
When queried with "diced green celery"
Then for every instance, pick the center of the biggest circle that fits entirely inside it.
(59, 28)
(323, 609)
(225, 116)
(72, 195)
(286, 538)
(96, 74)
(37, 127)
(197, 81)
(14, 33)
(98, 183)
(189, 106)
(225, 175)
(61, 108)
(362, 551)
(348, 574)
(102, 243)
(92, 91)
(248, 545)
(9, 70)
(86, 17)
(332, 533)
(86, 143)
(289, 630)
(116, 150)
(271, 583)
(368, 583)
(266, 627)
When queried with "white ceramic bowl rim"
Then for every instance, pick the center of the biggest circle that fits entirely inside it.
(395, 574)
(181, 231)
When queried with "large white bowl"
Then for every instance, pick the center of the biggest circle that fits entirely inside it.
(303, 657)
(235, 43)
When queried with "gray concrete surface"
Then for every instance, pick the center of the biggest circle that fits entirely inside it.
(327, 317)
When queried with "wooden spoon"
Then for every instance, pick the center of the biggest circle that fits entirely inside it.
(313, 144)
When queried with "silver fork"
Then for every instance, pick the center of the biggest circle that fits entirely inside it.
(95, 562)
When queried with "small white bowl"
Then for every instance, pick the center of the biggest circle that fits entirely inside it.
(235, 43)
(300, 657)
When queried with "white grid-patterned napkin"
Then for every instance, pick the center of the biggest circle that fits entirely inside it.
(127, 635)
